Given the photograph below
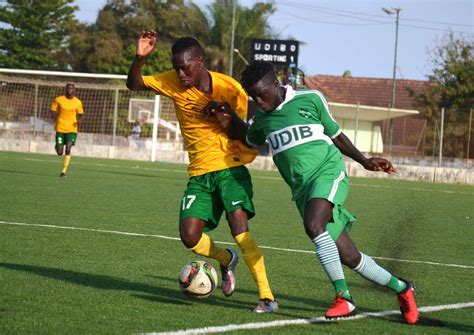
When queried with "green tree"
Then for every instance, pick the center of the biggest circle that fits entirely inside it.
(108, 46)
(100, 47)
(250, 22)
(453, 89)
(33, 34)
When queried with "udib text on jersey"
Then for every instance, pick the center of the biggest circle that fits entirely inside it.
(289, 137)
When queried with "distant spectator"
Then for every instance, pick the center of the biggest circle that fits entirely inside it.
(137, 129)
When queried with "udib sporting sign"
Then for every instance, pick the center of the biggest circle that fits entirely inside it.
(278, 52)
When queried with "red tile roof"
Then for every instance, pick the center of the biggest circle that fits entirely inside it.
(366, 91)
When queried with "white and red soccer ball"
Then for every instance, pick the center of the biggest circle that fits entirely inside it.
(198, 279)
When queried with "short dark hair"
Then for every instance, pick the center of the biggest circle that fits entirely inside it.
(185, 43)
(254, 72)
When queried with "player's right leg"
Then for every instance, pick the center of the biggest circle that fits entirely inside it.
(318, 212)
(200, 211)
(69, 139)
(59, 147)
(192, 235)
(59, 143)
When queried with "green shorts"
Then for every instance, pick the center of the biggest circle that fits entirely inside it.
(334, 187)
(63, 138)
(209, 195)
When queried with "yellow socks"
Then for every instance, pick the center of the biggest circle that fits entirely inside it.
(254, 259)
(206, 247)
(67, 159)
(252, 256)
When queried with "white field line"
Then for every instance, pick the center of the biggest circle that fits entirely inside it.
(253, 176)
(220, 242)
(283, 323)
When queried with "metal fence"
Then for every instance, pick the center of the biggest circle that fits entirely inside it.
(111, 112)
(110, 109)
(447, 136)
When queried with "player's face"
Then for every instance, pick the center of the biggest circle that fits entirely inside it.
(188, 67)
(266, 94)
(70, 91)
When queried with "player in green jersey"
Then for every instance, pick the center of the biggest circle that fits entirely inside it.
(307, 146)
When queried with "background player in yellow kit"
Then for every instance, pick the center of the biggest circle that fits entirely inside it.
(219, 181)
(68, 111)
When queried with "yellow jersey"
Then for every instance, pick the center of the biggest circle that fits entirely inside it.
(209, 148)
(67, 109)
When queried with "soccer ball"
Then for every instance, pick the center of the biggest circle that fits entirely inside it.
(198, 279)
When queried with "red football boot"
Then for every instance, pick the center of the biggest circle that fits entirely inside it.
(408, 303)
(341, 308)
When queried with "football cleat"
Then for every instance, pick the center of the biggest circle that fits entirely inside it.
(341, 308)
(62, 175)
(266, 306)
(408, 303)
(228, 276)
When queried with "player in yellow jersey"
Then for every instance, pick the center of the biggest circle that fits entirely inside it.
(218, 181)
(67, 110)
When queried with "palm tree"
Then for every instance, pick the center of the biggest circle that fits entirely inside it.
(249, 23)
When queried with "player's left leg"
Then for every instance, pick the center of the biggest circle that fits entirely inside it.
(235, 188)
(254, 259)
(369, 269)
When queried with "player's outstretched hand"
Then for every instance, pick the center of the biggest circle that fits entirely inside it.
(220, 110)
(211, 108)
(146, 43)
(379, 164)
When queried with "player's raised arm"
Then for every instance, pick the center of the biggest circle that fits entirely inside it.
(372, 164)
(146, 43)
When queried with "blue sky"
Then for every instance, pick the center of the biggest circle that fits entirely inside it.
(341, 35)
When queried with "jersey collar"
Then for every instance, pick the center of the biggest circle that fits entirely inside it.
(290, 94)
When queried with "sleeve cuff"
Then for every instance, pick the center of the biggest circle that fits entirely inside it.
(250, 143)
(336, 134)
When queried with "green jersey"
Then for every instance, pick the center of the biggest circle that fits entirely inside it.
(299, 133)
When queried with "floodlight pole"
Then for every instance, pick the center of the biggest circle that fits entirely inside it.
(469, 135)
(232, 37)
(394, 80)
(237, 51)
(441, 133)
